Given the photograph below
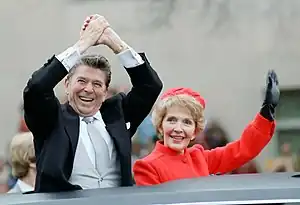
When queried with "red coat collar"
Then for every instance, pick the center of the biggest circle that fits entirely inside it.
(160, 147)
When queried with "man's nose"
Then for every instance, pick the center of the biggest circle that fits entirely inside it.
(88, 88)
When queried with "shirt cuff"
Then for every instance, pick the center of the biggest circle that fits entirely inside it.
(130, 58)
(69, 57)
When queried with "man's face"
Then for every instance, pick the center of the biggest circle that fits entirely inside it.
(86, 90)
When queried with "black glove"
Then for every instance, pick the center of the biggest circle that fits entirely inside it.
(271, 97)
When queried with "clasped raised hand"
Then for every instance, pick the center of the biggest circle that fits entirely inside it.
(91, 31)
(106, 35)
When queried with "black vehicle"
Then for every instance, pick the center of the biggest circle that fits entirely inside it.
(267, 188)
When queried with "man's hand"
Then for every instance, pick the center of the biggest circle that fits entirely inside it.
(91, 31)
(109, 37)
(271, 97)
(112, 40)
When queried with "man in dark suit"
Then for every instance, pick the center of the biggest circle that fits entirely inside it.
(86, 143)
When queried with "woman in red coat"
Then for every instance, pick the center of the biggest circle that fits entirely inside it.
(178, 118)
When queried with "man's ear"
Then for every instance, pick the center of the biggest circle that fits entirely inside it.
(66, 82)
(32, 165)
(105, 95)
(66, 85)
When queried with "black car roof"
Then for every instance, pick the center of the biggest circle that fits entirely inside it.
(266, 188)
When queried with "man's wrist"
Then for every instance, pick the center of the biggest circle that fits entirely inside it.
(129, 58)
(118, 47)
(81, 46)
(69, 57)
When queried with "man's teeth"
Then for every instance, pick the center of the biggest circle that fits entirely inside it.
(86, 99)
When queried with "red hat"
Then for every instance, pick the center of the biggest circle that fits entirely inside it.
(186, 91)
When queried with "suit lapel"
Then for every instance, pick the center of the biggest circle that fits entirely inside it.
(116, 127)
(109, 116)
(71, 125)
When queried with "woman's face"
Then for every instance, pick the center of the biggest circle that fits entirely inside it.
(178, 128)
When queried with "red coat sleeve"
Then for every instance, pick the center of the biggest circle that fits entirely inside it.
(254, 138)
(144, 174)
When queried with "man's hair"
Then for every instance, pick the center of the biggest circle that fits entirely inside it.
(96, 62)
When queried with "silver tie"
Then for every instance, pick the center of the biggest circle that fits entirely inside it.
(100, 147)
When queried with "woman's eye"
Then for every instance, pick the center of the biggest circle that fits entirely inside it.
(187, 121)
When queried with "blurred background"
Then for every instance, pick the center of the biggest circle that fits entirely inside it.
(221, 48)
